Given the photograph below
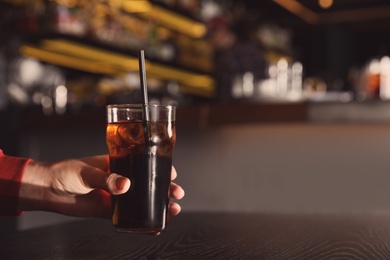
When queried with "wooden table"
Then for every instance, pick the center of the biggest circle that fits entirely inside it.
(212, 236)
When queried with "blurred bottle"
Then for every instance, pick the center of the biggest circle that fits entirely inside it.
(384, 81)
(373, 82)
(3, 81)
(373, 79)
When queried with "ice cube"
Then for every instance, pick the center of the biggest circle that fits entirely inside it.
(131, 134)
(115, 144)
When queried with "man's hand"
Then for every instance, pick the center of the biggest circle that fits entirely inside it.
(80, 188)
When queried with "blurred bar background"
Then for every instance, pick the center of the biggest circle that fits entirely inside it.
(283, 105)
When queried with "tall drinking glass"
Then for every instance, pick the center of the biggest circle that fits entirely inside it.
(141, 151)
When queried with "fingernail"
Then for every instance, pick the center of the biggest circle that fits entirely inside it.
(121, 183)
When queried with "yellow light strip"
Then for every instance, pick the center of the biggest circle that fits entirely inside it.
(146, 9)
(67, 61)
(24, 2)
(197, 91)
(167, 18)
(190, 79)
(125, 63)
(355, 15)
(299, 10)
(334, 16)
(95, 60)
(85, 52)
(133, 6)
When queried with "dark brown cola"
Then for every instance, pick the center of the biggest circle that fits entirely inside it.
(147, 163)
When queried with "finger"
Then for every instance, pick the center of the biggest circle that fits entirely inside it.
(94, 204)
(176, 191)
(97, 203)
(117, 184)
(173, 173)
(94, 178)
(112, 183)
(174, 208)
(101, 162)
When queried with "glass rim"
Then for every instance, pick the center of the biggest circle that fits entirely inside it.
(137, 106)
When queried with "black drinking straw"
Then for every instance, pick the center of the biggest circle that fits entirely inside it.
(144, 90)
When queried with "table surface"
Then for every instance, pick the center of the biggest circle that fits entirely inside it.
(212, 236)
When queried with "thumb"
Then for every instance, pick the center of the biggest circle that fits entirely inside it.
(117, 184)
(112, 183)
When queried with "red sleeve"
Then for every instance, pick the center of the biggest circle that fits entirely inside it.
(11, 173)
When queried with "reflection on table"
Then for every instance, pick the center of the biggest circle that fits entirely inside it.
(212, 236)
